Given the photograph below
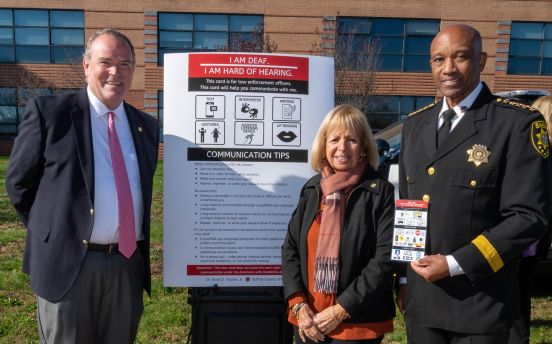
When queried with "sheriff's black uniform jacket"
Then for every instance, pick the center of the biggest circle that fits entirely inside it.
(488, 194)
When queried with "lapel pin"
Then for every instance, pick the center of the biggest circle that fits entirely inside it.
(478, 154)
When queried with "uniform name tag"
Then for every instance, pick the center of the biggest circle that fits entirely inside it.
(410, 229)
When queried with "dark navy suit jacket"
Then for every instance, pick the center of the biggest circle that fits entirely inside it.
(50, 182)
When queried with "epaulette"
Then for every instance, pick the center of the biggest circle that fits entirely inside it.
(422, 109)
(516, 104)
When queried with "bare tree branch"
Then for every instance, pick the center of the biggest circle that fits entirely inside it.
(355, 64)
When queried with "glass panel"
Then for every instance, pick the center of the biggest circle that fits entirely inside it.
(67, 19)
(392, 27)
(423, 101)
(416, 63)
(520, 65)
(418, 45)
(379, 121)
(8, 114)
(67, 37)
(31, 36)
(390, 44)
(6, 18)
(548, 31)
(27, 93)
(211, 22)
(67, 54)
(241, 41)
(406, 105)
(546, 67)
(6, 54)
(390, 62)
(172, 39)
(422, 27)
(210, 40)
(547, 49)
(176, 21)
(6, 35)
(32, 54)
(31, 18)
(525, 47)
(7, 96)
(246, 23)
(379, 104)
(350, 43)
(354, 25)
(8, 129)
(527, 30)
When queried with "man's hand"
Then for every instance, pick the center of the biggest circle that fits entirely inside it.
(432, 268)
(400, 298)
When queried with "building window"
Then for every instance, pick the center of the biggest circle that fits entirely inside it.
(189, 32)
(12, 106)
(402, 44)
(41, 36)
(160, 114)
(530, 49)
(385, 110)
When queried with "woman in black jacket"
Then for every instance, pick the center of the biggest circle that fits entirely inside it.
(336, 255)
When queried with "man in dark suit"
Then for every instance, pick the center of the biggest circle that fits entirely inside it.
(80, 177)
(482, 164)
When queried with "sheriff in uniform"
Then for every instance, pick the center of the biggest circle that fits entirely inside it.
(482, 164)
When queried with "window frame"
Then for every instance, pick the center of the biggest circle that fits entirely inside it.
(55, 53)
(191, 47)
(527, 61)
(370, 35)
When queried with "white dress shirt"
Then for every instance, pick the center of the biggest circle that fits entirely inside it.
(460, 108)
(106, 215)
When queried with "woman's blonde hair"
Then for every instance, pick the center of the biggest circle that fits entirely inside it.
(349, 118)
(544, 105)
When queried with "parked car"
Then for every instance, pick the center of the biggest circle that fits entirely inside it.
(390, 138)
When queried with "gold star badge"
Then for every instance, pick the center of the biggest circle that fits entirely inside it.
(478, 154)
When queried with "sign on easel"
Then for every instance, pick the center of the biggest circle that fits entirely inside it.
(238, 128)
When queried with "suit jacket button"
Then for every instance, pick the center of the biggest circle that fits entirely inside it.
(140, 129)
(431, 171)
(84, 241)
(91, 211)
(426, 198)
(473, 183)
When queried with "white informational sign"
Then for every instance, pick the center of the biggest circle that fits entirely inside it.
(409, 233)
(238, 128)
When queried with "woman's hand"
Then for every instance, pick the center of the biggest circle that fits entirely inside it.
(330, 318)
(307, 326)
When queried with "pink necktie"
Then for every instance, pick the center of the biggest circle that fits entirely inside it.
(127, 235)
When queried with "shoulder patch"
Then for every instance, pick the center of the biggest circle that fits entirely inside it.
(515, 104)
(539, 138)
(422, 109)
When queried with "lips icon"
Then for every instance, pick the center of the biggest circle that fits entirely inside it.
(287, 136)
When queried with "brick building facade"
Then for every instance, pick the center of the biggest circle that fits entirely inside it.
(295, 26)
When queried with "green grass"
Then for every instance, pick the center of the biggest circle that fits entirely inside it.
(167, 316)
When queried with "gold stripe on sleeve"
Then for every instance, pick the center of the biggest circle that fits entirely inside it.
(489, 252)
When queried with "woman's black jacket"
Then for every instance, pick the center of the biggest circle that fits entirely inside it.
(365, 277)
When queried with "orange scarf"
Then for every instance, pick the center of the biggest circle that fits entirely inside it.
(335, 185)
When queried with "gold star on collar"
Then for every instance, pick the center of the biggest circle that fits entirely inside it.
(478, 154)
